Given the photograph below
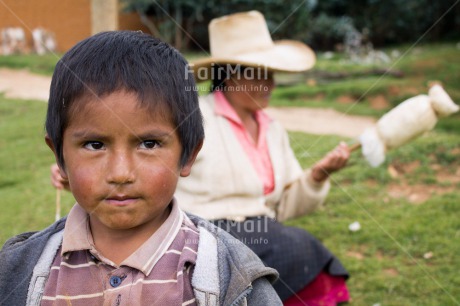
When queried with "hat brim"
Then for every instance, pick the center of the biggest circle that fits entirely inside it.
(285, 56)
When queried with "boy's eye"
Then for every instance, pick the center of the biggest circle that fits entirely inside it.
(149, 144)
(94, 145)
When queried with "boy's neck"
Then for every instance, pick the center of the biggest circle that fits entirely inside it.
(118, 244)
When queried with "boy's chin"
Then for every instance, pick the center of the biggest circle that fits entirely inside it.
(126, 222)
(115, 223)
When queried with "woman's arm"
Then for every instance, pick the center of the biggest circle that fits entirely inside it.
(309, 191)
(330, 163)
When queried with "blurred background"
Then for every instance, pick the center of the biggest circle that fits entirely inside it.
(324, 25)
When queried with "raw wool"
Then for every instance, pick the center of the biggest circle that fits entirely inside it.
(441, 102)
(406, 121)
(373, 148)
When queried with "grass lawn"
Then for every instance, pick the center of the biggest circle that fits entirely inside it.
(43, 64)
(406, 252)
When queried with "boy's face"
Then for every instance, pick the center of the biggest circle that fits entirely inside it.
(122, 162)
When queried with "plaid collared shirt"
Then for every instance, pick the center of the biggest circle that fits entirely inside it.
(158, 273)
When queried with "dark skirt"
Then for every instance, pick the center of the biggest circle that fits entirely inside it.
(293, 252)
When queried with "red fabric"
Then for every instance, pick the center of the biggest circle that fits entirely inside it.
(325, 290)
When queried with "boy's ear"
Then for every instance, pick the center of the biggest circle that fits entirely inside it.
(187, 168)
(50, 144)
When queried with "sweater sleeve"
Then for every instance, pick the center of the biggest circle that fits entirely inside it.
(300, 194)
(301, 197)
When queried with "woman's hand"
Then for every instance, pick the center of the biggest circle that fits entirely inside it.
(332, 162)
(57, 180)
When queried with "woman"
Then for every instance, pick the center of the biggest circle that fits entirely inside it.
(246, 173)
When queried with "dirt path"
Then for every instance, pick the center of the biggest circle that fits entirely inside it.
(321, 121)
(22, 84)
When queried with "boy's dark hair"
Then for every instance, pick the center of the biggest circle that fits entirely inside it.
(131, 61)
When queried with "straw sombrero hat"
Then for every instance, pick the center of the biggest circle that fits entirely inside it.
(243, 38)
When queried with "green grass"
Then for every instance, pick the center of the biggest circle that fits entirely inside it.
(386, 257)
(42, 64)
(28, 200)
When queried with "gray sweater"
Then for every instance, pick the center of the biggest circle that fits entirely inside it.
(226, 271)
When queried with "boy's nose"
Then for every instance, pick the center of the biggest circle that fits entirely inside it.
(121, 169)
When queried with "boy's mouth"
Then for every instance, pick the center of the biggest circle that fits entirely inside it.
(121, 200)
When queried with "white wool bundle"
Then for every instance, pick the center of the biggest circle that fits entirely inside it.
(441, 102)
(372, 147)
(406, 121)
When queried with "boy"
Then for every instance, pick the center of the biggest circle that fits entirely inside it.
(123, 130)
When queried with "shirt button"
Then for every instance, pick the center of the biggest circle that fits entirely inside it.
(115, 281)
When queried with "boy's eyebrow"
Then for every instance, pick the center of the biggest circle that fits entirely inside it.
(155, 134)
(87, 134)
(144, 135)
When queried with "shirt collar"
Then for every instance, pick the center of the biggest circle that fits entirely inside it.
(224, 108)
(77, 237)
(76, 231)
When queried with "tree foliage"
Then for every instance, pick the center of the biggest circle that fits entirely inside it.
(321, 24)
(181, 22)
(398, 21)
